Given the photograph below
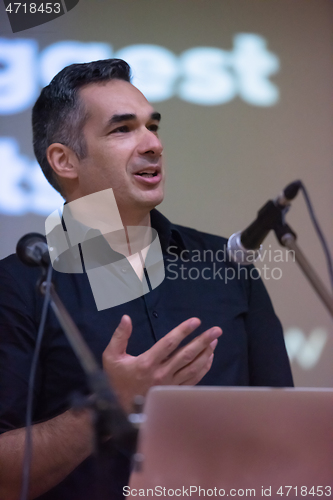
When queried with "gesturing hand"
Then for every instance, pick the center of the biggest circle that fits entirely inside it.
(162, 364)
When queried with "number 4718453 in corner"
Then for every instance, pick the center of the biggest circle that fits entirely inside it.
(302, 491)
(47, 8)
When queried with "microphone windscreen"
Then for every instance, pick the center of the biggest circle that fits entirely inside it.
(31, 248)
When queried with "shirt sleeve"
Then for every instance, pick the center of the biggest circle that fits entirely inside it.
(268, 360)
(18, 331)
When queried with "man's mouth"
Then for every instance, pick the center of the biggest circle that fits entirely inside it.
(147, 174)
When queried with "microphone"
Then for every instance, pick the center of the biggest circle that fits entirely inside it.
(33, 250)
(244, 247)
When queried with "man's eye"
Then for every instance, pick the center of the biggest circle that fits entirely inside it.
(153, 127)
(123, 128)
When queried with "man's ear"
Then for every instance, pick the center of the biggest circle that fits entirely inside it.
(63, 160)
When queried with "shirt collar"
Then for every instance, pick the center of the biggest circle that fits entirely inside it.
(168, 233)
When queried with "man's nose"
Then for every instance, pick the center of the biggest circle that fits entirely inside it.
(150, 144)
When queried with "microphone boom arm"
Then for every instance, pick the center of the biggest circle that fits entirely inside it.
(287, 238)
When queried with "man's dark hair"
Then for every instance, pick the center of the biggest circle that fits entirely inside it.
(59, 114)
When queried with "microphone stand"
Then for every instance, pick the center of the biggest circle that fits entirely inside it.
(110, 421)
(287, 238)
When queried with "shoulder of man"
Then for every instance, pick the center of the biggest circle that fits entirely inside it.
(200, 238)
(12, 268)
(187, 237)
(18, 292)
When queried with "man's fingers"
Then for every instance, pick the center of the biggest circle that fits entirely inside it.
(193, 380)
(168, 344)
(119, 339)
(187, 354)
(192, 373)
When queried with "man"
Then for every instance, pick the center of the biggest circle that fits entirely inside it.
(92, 131)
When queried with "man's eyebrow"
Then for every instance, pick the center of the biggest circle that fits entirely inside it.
(121, 118)
(156, 116)
(130, 116)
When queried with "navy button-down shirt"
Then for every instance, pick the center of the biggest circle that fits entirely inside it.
(199, 282)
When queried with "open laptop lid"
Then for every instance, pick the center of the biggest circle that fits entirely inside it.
(251, 442)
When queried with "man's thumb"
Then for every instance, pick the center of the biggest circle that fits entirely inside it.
(119, 340)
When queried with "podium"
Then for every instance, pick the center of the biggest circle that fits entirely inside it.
(235, 442)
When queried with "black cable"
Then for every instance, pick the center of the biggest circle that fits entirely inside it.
(319, 232)
(28, 424)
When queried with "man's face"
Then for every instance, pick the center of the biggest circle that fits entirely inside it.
(123, 149)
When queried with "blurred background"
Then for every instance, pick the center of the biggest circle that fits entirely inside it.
(245, 92)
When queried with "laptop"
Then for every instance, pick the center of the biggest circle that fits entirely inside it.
(218, 442)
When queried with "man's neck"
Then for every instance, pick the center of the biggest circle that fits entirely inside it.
(136, 235)
(135, 218)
